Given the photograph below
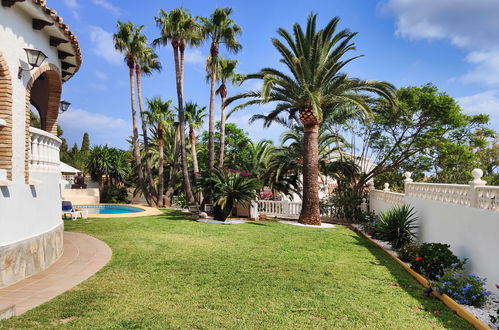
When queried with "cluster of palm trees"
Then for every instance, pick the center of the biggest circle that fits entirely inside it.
(178, 29)
(307, 96)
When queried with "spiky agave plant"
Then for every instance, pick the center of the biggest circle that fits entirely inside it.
(397, 225)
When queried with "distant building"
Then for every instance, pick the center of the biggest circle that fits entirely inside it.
(31, 229)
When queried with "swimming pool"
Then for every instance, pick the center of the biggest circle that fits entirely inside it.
(109, 209)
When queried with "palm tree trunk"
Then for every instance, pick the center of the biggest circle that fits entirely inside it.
(181, 120)
(146, 139)
(310, 212)
(173, 175)
(222, 129)
(135, 140)
(192, 140)
(195, 165)
(161, 176)
(211, 129)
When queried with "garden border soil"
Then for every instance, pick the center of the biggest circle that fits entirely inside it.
(448, 301)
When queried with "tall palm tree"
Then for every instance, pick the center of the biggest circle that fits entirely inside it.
(194, 116)
(179, 28)
(226, 73)
(313, 89)
(219, 28)
(146, 62)
(159, 115)
(128, 40)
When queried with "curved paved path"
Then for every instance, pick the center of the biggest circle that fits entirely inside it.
(83, 256)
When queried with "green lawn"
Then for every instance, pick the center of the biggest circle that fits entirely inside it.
(170, 272)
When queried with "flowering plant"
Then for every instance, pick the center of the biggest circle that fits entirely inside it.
(464, 289)
(433, 259)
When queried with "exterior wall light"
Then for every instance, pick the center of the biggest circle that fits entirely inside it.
(35, 59)
(64, 106)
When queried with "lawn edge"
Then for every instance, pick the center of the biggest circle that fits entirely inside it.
(448, 301)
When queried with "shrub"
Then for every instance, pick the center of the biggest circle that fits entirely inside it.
(397, 226)
(433, 259)
(464, 289)
(228, 187)
(114, 194)
(368, 222)
(408, 252)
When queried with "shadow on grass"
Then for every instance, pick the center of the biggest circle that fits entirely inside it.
(410, 285)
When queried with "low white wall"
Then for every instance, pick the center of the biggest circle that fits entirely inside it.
(81, 196)
(451, 214)
(29, 210)
(471, 232)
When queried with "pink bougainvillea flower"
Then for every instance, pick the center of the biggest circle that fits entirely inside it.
(419, 258)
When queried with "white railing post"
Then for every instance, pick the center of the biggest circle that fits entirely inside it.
(44, 153)
(285, 208)
(387, 187)
(476, 182)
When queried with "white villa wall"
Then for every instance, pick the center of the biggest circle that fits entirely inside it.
(30, 214)
(471, 232)
(454, 215)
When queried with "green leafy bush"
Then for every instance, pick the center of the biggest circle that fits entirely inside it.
(114, 194)
(464, 289)
(397, 226)
(433, 259)
(408, 252)
(228, 187)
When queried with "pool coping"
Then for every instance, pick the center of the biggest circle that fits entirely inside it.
(147, 211)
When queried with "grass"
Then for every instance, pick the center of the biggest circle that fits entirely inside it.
(170, 272)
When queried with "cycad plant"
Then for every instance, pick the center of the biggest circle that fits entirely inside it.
(312, 91)
(229, 188)
(397, 226)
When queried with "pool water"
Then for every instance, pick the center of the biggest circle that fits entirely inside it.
(108, 209)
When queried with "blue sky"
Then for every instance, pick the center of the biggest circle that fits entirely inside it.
(451, 43)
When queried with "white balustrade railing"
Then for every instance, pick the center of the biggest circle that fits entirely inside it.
(475, 194)
(388, 197)
(448, 193)
(44, 151)
(487, 198)
(279, 208)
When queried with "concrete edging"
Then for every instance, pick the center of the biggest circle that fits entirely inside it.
(448, 301)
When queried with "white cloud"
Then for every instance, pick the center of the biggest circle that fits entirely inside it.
(470, 25)
(486, 102)
(194, 56)
(103, 45)
(73, 4)
(98, 86)
(114, 10)
(101, 75)
(101, 128)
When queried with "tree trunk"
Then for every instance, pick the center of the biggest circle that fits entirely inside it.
(223, 95)
(310, 212)
(173, 175)
(211, 129)
(135, 140)
(195, 165)
(181, 120)
(161, 176)
(146, 139)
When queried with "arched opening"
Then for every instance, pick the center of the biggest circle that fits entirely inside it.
(5, 119)
(43, 92)
(45, 96)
